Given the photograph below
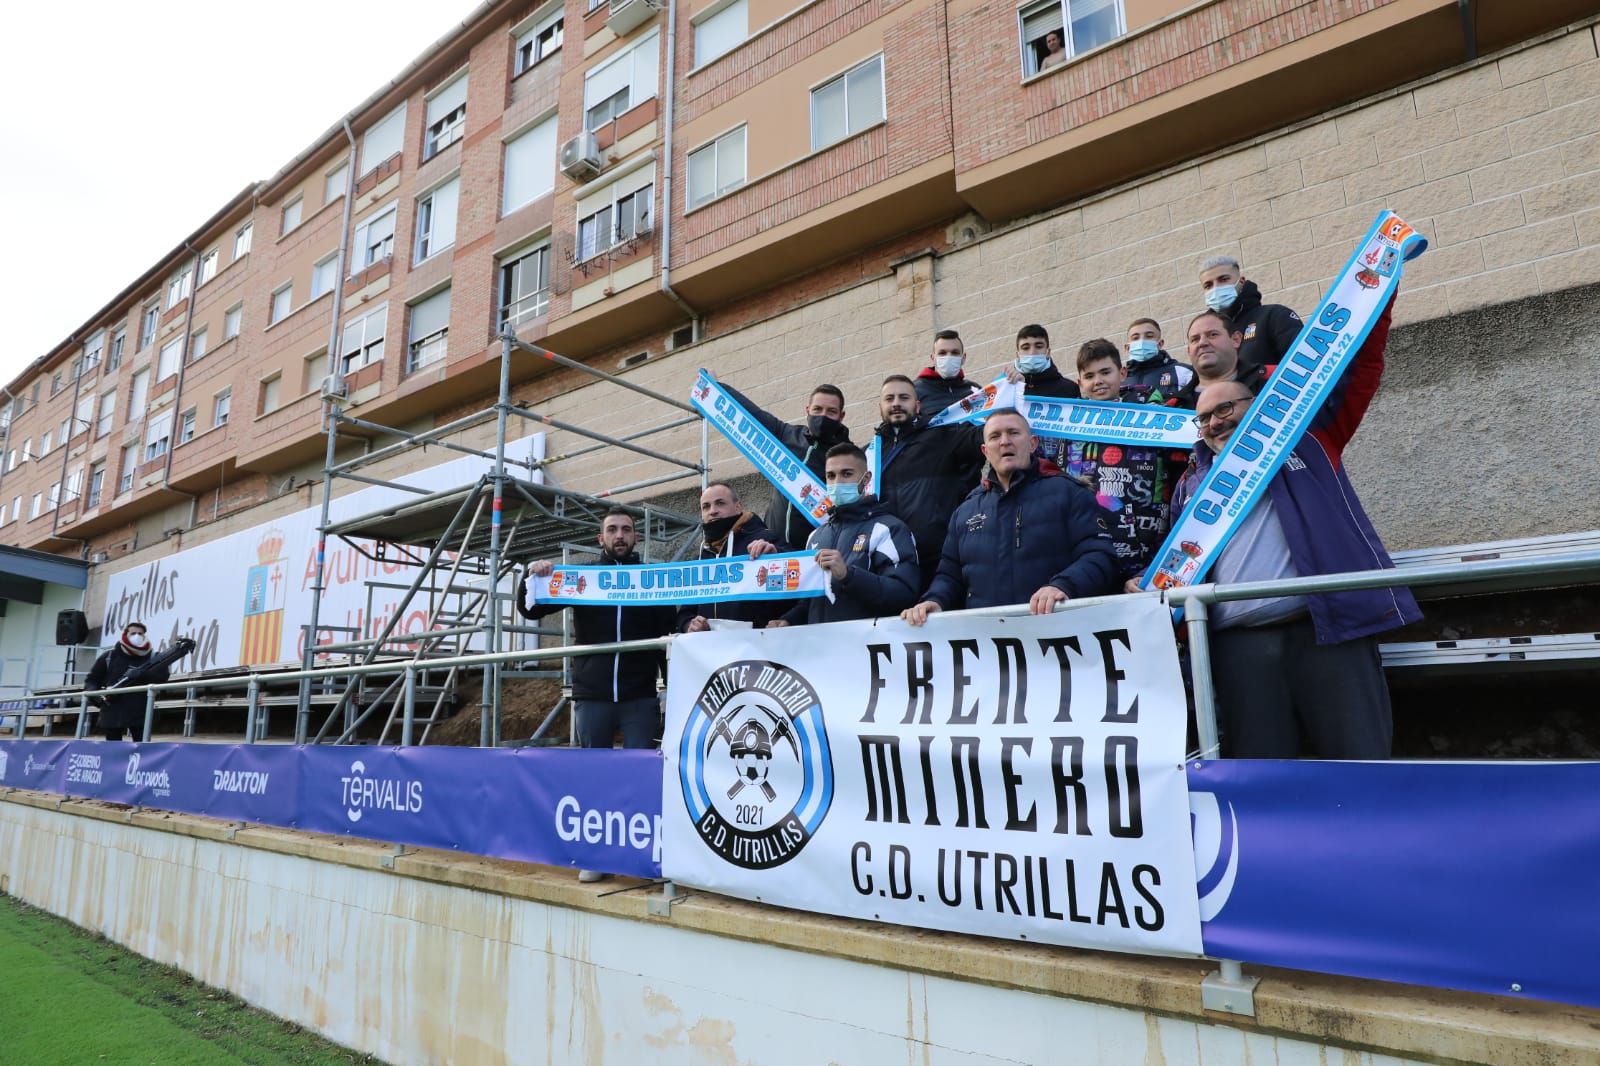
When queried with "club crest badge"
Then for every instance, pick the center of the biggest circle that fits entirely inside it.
(754, 764)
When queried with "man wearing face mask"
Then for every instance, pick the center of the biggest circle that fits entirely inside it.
(1035, 368)
(868, 553)
(809, 441)
(926, 472)
(727, 529)
(1266, 331)
(1148, 366)
(943, 382)
(1301, 674)
(127, 659)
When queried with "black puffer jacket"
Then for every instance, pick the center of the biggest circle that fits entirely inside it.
(937, 393)
(783, 518)
(1269, 329)
(1051, 382)
(123, 712)
(926, 474)
(757, 612)
(620, 675)
(1004, 545)
(883, 578)
(1169, 381)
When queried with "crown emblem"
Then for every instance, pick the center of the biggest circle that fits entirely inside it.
(270, 546)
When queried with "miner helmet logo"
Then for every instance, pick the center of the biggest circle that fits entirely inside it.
(754, 764)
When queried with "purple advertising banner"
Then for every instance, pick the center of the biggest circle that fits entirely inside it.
(596, 810)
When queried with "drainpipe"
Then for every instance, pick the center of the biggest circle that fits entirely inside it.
(335, 364)
(61, 483)
(1469, 32)
(696, 322)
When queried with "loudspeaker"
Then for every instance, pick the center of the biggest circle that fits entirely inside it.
(72, 627)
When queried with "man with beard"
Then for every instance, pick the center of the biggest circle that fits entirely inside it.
(926, 472)
(1022, 536)
(727, 529)
(126, 659)
(809, 441)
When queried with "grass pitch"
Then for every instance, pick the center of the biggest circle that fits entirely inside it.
(71, 997)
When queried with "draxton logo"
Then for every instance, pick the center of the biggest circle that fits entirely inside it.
(156, 781)
(248, 782)
(363, 793)
(1216, 851)
(754, 764)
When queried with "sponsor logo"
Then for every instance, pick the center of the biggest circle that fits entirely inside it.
(608, 828)
(4, 760)
(29, 767)
(245, 782)
(363, 792)
(156, 781)
(754, 764)
(83, 770)
(1216, 851)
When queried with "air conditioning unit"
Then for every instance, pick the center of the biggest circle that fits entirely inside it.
(628, 15)
(580, 157)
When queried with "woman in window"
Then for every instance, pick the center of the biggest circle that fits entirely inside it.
(1053, 51)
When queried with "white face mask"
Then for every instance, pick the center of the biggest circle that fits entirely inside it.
(1032, 364)
(1140, 350)
(948, 366)
(1221, 297)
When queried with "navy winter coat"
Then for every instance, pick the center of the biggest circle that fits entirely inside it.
(937, 393)
(883, 578)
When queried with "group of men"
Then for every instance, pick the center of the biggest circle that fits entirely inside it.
(977, 514)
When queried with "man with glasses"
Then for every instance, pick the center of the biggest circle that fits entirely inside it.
(1300, 675)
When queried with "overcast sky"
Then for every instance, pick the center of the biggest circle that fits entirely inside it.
(130, 124)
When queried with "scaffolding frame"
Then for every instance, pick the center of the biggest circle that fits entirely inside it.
(464, 543)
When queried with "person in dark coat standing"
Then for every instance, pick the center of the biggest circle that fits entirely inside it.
(1151, 367)
(1266, 331)
(128, 658)
(1022, 536)
(868, 553)
(809, 442)
(727, 529)
(926, 472)
(943, 382)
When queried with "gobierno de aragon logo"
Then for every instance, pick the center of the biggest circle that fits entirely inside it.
(754, 764)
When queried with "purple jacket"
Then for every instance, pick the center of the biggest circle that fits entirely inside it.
(1323, 523)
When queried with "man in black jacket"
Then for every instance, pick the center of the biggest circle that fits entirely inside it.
(868, 553)
(727, 529)
(129, 655)
(616, 690)
(926, 472)
(823, 428)
(943, 381)
(1266, 331)
(1022, 536)
(1149, 366)
(1040, 376)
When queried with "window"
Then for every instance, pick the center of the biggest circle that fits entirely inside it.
(436, 219)
(621, 83)
(54, 499)
(530, 166)
(92, 350)
(167, 361)
(717, 168)
(186, 427)
(208, 266)
(46, 442)
(55, 383)
(16, 508)
(97, 484)
(75, 484)
(383, 139)
(525, 287)
(219, 407)
(375, 238)
(11, 460)
(624, 218)
(848, 104)
(66, 431)
(361, 342)
(27, 448)
(130, 463)
(231, 319)
(158, 436)
(539, 42)
(269, 394)
(108, 409)
(447, 117)
(83, 416)
(323, 275)
(334, 182)
(1056, 29)
(291, 214)
(282, 303)
(430, 330)
(119, 340)
(721, 32)
(178, 287)
(241, 240)
(36, 507)
(316, 369)
(147, 324)
(197, 344)
(138, 394)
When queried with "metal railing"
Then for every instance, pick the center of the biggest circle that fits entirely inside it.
(1195, 602)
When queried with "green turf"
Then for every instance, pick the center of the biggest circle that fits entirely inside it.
(70, 997)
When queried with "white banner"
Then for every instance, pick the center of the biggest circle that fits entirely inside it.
(244, 598)
(772, 577)
(1018, 777)
(766, 453)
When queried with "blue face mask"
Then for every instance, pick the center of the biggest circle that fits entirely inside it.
(1221, 297)
(844, 493)
(1032, 364)
(1140, 350)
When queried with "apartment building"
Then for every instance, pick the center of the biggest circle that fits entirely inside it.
(786, 193)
